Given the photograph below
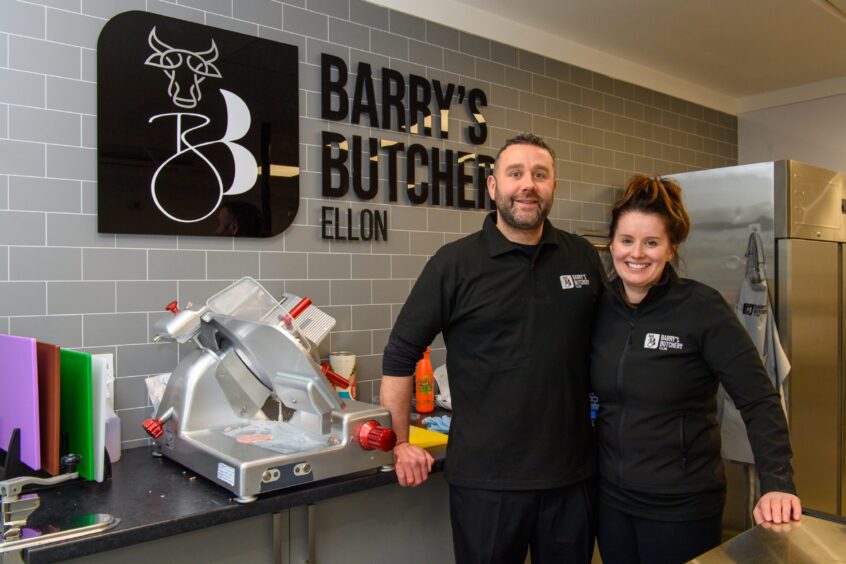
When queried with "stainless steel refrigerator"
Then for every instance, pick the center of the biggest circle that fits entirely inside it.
(799, 211)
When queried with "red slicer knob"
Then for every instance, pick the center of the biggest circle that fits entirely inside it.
(153, 427)
(173, 307)
(373, 436)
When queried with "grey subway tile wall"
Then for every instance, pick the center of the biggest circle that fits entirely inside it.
(407, 26)
(172, 10)
(139, 360)
(265, 12)
(77, 163)
(195, 292)
(36, 55)
(130, 391)
(63, 282)
(305, 22)
(352, 34)
(72, 28)
(60, 329)
(44, 194)
(368, 14)
(238, 26)
(21, 228)
(76, 230)
(4, 268)
(70, 95)
(221, 7)
(147, 295)
(100, 330)
(23, 298)
(231, 265)
(114, 264)
(370, 266)
(80, 297)
(44, 263)
(22, 158)
(24, 19)
(44, 126)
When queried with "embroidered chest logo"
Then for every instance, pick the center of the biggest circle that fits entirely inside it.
(662, 342)
(754, 310)
(569, 281)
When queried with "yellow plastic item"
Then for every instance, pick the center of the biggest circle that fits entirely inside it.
(424, 438)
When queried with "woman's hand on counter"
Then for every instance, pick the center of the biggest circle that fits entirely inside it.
(412, 464)
(777, 507)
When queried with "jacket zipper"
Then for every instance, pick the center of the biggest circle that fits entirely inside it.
(683, 440)
(632, 325)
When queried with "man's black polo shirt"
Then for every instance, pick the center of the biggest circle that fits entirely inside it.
(517, 329)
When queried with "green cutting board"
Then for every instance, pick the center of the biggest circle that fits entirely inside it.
(76, 418)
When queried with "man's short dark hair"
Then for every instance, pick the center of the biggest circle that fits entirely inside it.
(526, 139)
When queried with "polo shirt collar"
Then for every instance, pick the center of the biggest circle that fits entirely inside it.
(497, 244)
(668, 279)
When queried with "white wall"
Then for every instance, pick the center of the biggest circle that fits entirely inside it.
(813, 132)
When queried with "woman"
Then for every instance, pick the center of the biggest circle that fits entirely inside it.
(661, 346)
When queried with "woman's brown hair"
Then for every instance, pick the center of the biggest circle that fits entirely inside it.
(656, 195)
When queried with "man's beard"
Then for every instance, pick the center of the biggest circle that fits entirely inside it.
(525, 221)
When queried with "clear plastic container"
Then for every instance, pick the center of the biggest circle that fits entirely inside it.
(249, 300)
(246, 299)
(113, 435)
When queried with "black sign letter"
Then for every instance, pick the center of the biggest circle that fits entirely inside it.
(475, 98)
(328, 87)
(334, 164)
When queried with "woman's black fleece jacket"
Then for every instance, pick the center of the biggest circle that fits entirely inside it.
(656, 369)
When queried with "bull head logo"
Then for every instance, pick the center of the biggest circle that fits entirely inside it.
(184, 87)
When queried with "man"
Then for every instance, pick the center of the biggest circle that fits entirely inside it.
(515, 304)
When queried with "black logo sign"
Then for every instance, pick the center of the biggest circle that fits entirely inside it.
(754, 310)
(197, 130)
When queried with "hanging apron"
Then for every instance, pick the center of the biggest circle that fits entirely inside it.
(754, 310)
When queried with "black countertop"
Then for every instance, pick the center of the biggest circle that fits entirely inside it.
(156, 498)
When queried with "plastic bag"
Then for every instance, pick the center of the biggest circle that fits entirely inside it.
(284, 437)
(443, 398)
(156, 388)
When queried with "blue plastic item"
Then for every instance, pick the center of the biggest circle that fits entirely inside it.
(439, 424)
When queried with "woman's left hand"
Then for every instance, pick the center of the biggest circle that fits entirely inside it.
(777, 507)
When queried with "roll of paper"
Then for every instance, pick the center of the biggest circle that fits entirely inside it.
(343, 364)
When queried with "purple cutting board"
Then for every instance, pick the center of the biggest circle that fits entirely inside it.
(19, 397)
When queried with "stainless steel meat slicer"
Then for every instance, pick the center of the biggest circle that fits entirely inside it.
(251, 408)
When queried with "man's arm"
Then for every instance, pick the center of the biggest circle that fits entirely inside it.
(412, 463)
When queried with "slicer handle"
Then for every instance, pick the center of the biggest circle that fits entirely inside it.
(334, 378)
(300, 307)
